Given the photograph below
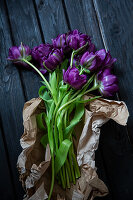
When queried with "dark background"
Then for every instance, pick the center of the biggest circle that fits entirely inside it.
(110, 24)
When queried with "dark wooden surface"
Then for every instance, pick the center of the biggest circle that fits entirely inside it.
(109, 23)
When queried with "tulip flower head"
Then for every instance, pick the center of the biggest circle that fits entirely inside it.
(106, 58)
(72, 77)
(59, 41)
(43, 50)
(90, 61)
(108, 83)
(16, 54)
(75, 39)
(54, 59)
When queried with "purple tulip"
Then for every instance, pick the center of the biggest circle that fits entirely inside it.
(90, 61)
(14, 53)
(59, 41)
(108, 83)
(105, 57)
(54, 59)
(103, 72)
(75, 39)
(72, 77)
(43, 50)
(108, 62)
(17, 53)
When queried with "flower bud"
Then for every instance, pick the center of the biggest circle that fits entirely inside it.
(90, 61)
(16, 54)
(43, 50)
(72, 77)
(108, 83)
(59, 41)
(54, 59)
(106, 58)
(75, 39)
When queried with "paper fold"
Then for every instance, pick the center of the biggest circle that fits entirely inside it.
(34, 162)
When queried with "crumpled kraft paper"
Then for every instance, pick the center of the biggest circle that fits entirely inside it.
(34, 163)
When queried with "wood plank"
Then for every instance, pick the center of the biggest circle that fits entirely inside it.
(119, 41)
(6, 189)
(52, 18)
(115, 22)
(12, 100)
(118, 161)
(25, 28)
(82, 16)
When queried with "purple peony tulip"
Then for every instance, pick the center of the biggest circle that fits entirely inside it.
(108, 83)
(106, 58)
(43, 50)
(75, 39)
(17, 53)
(72, 77)
(59, 41)
(108, 62)
(103, 72)
(14, 53)
(90, 61)
(54, 59)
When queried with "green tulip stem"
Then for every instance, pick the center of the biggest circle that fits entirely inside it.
(69, 170)
(76, 98)
(79, 50)
(44, 79)
(72, 56)
(52, 182)
(92, 89)
(77, 171)
(71, 167)
(67, 177)
(62, 180)
(64, 174)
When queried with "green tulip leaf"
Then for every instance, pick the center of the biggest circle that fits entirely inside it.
(50, 133)
(62, 91)
(44, 140)
(43, 94)
(40, 121)
(61, 155)
(88, 100)
(79, 111)
(51, 111)
(53, 84)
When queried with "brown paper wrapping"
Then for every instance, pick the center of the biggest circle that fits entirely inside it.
(34, 163)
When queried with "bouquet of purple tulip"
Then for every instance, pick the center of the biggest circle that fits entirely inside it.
(75, 69)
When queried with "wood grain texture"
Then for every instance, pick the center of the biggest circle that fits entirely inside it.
(52, 18)
(118, 162)
(24, 26)
(5, 175)
(11, 102)
(83, 17)
(115, 21)
(109, 23)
